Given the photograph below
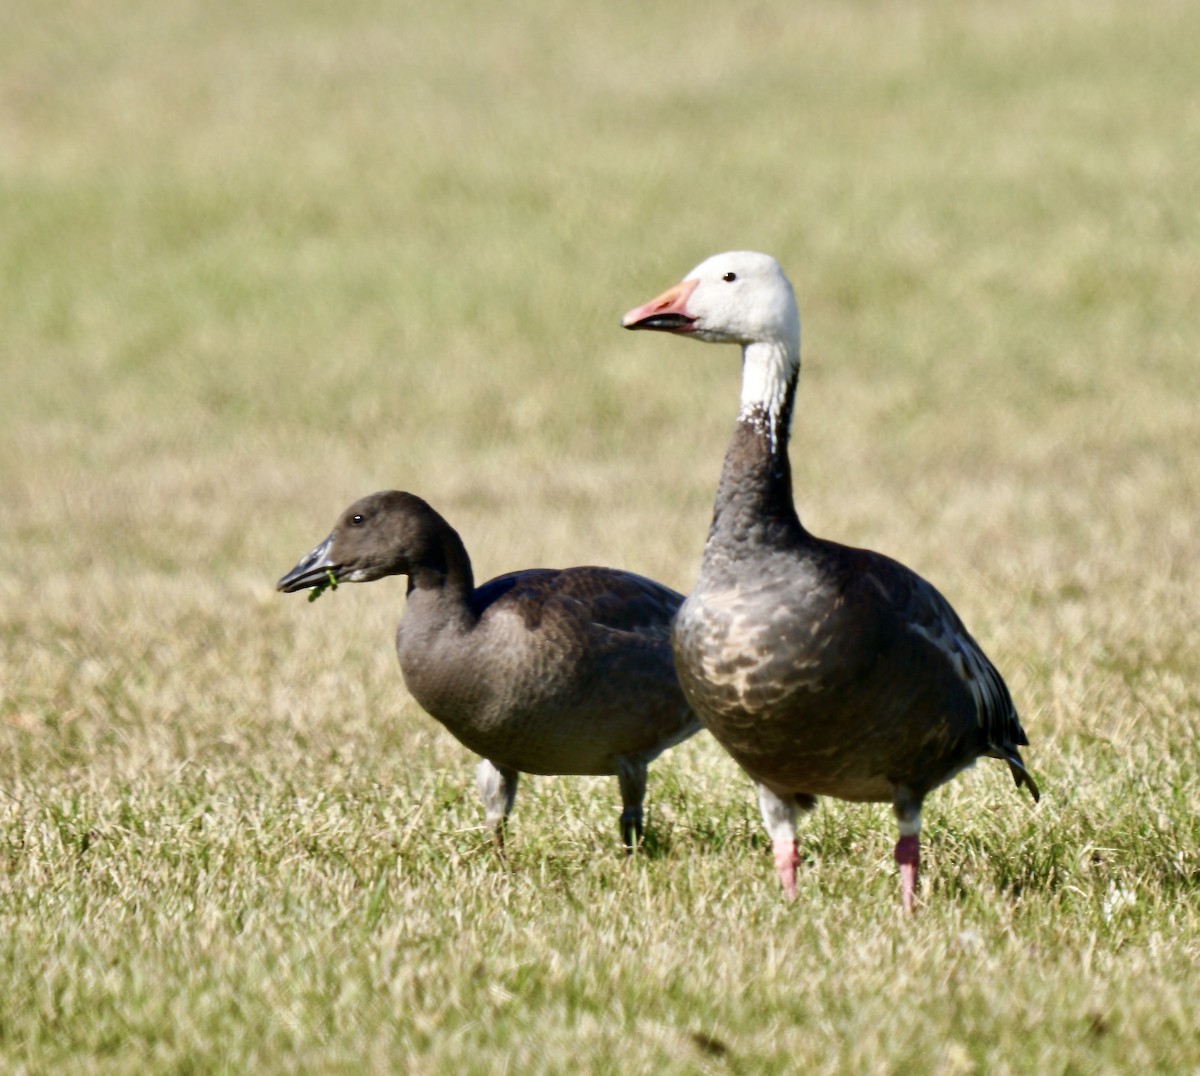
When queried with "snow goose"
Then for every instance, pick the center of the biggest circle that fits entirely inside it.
(542, 671)
(822, 669)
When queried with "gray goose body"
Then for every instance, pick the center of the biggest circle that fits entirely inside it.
(822, 669)
(542, 671)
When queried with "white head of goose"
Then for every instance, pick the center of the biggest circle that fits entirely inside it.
(542, 671)
(823, 670)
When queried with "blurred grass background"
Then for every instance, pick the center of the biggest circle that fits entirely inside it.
(256, 262)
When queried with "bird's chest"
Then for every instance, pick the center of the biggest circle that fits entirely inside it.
(766, 672)
(494, 693)
(739, 650)
(445, 679)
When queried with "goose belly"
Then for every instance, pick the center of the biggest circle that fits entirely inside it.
(539, 718)
(524, 727)
(801, 713)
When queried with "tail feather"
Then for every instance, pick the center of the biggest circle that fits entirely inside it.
(1016, 765)
(1020, 774)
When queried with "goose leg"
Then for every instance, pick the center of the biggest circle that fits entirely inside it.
(631, 776)
(907, 808)
(498, 790)
(779, 816)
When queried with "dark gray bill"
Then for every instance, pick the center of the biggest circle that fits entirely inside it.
(312, 571)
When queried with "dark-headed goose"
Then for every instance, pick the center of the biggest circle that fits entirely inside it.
(542, 671)
(823, 670)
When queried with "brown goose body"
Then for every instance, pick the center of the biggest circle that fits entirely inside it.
(543, 671)
(822, 669)
(552, 671)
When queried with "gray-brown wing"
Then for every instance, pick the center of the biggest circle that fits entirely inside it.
(598, 654)
(623, 601)
(925, 613)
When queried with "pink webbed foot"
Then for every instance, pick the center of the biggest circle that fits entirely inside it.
(787, 859)
(908, 856)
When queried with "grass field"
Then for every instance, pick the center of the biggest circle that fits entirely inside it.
(260, 260)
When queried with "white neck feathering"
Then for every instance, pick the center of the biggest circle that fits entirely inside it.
(768, 367)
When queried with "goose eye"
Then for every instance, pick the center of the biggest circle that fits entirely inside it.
(729, 278)
(356, 520)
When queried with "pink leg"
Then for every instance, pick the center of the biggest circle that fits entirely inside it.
(908, 855)
(779, 816)
(787, 859)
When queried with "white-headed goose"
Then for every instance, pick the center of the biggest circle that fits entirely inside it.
(824, 670)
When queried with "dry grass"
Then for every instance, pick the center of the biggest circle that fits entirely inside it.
(259, 262)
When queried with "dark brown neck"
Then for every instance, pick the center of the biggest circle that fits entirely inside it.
(754, 507)
(442, 575)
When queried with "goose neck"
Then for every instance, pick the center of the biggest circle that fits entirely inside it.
(754, 498)
(770, 370)
(441, 583)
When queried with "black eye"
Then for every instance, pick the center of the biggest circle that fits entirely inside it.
(357, 521)
(729, 278)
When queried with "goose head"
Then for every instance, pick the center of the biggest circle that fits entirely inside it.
(386, 533)
(736, 298)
